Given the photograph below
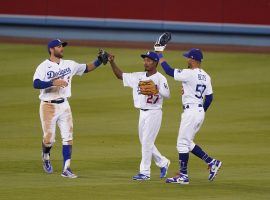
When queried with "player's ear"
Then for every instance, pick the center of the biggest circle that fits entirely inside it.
(50, 50)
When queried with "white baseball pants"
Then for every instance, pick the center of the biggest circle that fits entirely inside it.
(52, 114)
(191, 121)
(149, 125)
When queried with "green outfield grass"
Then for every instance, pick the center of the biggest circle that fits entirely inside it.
(106, 151)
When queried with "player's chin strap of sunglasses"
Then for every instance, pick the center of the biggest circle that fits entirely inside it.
(187, 106)
(60, 100)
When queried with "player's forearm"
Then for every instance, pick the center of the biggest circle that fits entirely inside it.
(89, 67)
(92, 66)
(165, 94)
(166, 67)
(38, 84)
(207, 102)
(118, 73)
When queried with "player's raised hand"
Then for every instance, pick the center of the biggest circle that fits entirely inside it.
(59, 83)
(158, 48)
(103, 56)
(162, 41)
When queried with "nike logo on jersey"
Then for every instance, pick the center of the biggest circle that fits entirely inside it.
(60, 73)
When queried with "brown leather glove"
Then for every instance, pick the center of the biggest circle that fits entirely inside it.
(148, 87)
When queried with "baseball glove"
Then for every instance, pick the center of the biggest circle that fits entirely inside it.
(148, 87)
(162, 41)
(103, 56)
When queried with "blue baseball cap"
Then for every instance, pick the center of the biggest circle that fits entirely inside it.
(152, 55)
(195, 54)
(55, 43)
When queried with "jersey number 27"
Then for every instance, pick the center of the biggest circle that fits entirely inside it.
(152, 99)
(200, 90)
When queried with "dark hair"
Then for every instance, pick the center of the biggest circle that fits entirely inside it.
(49, 51)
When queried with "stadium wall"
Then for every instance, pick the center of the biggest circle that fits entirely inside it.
(212, 21)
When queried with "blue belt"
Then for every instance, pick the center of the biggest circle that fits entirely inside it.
(188, 106)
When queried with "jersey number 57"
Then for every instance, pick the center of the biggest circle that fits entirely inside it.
(200, 90)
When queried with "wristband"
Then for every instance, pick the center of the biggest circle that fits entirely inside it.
(97, 62)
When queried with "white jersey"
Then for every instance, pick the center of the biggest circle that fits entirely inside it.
(196, 84)
(143, 101)
(49, 70)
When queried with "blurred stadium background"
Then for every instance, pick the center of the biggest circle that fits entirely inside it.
(235, 38)
(210, 22)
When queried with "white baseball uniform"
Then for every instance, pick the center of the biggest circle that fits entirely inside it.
(150, 116)
(196, 83)
(52, 113)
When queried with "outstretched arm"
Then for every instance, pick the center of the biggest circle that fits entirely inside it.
(166, 67)
(102, 58)
(117, 72)
(92, 66)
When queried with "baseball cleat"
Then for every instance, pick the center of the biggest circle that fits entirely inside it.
(68, 174)
(213, 167)
(47, 165)
(164, 170)
(180, 179)
(141, 177)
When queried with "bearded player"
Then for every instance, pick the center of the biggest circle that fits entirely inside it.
(197, 95)
(53, 78)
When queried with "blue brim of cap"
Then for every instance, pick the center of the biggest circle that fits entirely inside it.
(64, 44)
(185, 55)
(143, 56)
(146, 56)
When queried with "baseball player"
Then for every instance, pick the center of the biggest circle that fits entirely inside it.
(197, 95)
(53, 77)
(149, 89)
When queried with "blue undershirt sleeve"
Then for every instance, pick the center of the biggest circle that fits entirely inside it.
(96, 63)
(167, 68)
(86, 69)
(38, 84)
(208, 100)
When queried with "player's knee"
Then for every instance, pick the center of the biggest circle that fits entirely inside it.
(147, 147)
(147, 144)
